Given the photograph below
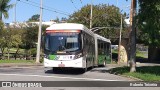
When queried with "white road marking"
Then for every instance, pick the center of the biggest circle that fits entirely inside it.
(92, 79)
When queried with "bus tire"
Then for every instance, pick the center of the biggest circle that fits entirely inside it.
(54, 69)
(84, 70)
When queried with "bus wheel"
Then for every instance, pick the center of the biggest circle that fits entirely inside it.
(84, 70)
(54, 69)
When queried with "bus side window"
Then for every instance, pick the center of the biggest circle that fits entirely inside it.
(84, 40)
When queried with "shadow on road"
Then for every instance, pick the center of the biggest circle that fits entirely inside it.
(66, 71)
(100, 70)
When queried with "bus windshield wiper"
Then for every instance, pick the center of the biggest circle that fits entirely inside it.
(65, 50)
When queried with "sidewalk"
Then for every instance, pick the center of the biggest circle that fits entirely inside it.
(19, 64)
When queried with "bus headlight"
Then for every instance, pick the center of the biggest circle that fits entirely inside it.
(78, 56)
(46, 56)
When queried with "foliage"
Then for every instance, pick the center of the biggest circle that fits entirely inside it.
(11, 37)
(34, 18)
(63, 19)
(2, 37)
(20, 37)
(16, 36)
(4, 8)
(32, 51)
(1, 25)
(30, 35)
(57, 20)
(148, 21)
(103, 16)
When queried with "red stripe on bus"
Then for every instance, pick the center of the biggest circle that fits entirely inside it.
(54, 31)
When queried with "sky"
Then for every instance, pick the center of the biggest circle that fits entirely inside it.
(25, 9)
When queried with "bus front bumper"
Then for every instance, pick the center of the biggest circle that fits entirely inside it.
(77, 63)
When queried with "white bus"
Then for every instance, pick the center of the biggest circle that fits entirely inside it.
(71, 45)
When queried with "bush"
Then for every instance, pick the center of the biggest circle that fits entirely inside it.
(32, 51)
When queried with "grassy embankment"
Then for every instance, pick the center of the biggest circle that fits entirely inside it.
(145, 73)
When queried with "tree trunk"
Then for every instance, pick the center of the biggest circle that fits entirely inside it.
(2, 50)
(16, 53)
(8, 50)
(133, 39)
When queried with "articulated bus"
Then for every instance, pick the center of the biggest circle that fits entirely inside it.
(103, 54)
(71, 45)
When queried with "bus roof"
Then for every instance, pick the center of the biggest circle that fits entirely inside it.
(102, 38)
(70, 26)
(66, 26)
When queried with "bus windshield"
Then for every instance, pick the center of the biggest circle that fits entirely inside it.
(63, 42)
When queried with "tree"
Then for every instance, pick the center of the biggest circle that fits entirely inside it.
(34, 18)
(148, 24)
(132, 46)
(57, 20)
(8, 41)
(30, 35)
(63, 20)
(2, 38)
(103, 16)
(4, 8)
(17, 39)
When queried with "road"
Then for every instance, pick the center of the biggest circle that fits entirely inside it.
(38, 74)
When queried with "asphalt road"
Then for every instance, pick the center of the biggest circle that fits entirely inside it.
(38, 73)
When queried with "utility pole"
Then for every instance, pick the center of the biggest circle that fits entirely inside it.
(91, 14)
(39, 34)
(15, 11)
(132, 54)
(119, 46)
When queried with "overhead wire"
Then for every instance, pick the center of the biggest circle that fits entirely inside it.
(35, 5)
(48, 7)
(73, 4)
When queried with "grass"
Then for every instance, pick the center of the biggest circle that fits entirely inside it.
(138, 53)
(145, 73)
(17, 61)
(114, 50)
(13, 50)
(141, 54)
